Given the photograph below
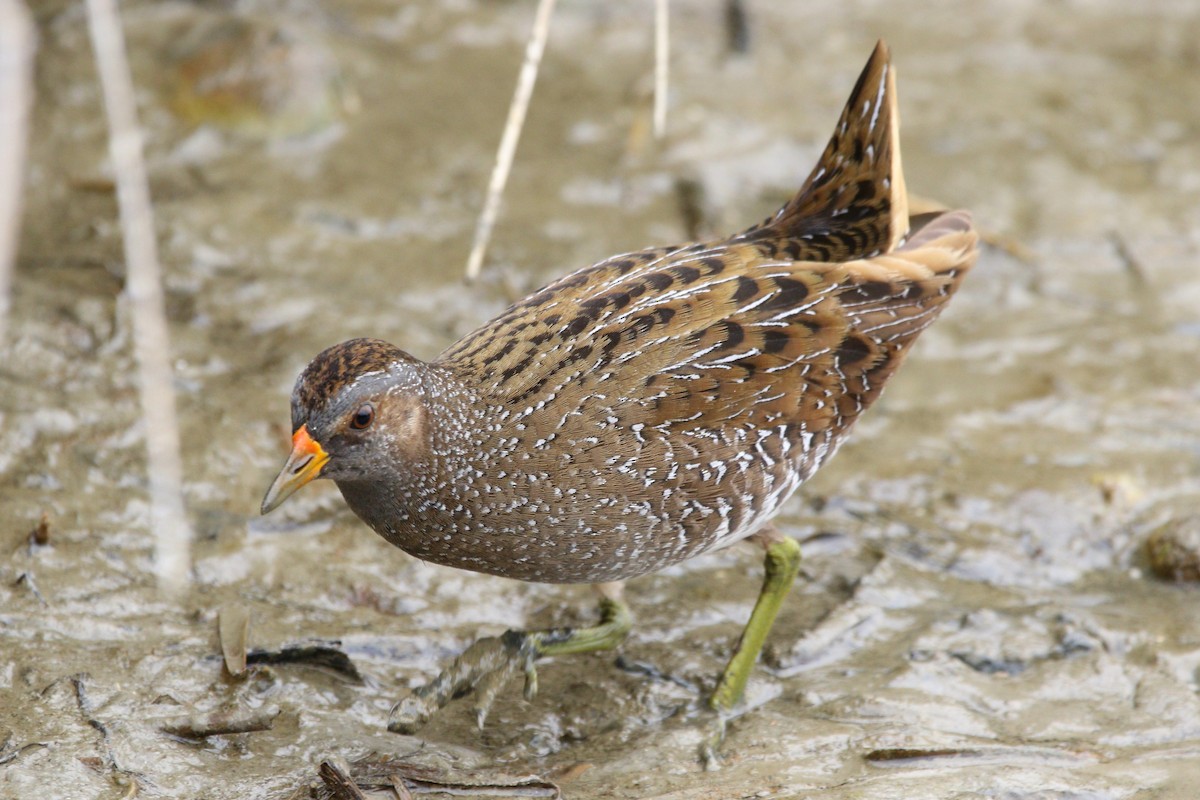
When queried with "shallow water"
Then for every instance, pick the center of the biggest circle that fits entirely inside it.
(975, 619)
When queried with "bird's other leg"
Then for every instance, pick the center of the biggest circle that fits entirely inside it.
(781, 565)
(489, 663)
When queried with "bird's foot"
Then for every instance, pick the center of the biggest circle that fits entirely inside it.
(487, 665)
(484, 667)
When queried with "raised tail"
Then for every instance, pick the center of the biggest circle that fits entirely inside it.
(853, 204)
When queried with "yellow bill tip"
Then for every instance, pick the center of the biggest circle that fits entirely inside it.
(303, 465)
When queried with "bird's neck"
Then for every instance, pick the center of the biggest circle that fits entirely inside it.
(415, 506)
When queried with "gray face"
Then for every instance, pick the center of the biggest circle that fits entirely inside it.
(373, 426)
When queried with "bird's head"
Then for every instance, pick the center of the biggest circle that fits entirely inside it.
(358, 413)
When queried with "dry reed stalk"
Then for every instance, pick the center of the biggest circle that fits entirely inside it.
(512, 135)
(17, 45)
(662, 53)
(143, 286)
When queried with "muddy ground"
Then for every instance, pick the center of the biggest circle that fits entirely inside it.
(977, 617)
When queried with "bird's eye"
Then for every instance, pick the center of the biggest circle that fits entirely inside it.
(363, 418)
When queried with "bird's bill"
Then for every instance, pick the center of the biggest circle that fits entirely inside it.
(303, 465)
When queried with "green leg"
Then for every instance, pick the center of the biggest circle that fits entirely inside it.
(489, 663)
(782, 564)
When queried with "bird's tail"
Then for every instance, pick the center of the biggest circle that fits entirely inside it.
(853, 204)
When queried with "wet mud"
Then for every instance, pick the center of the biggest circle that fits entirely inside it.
(979, 612)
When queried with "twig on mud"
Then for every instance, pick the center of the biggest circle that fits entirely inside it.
(7, 755)
(911, 757)
(27, 579)
(221, 722)
(87, 710)
(327, 658)
(17, 44)
(407, 779)
(144, 287)
(512, 134)
(662, 65)
(84, 702)
(400, 788)
(338, 781)
(1129, 261)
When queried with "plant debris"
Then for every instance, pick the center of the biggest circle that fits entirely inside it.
(405, 779)
(323, 657)
(222, 721)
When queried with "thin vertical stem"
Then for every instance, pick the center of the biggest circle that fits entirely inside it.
(662, 65)
(512, 135)
(144, 290)
(17, 44)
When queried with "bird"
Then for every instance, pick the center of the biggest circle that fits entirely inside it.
(643, 410)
